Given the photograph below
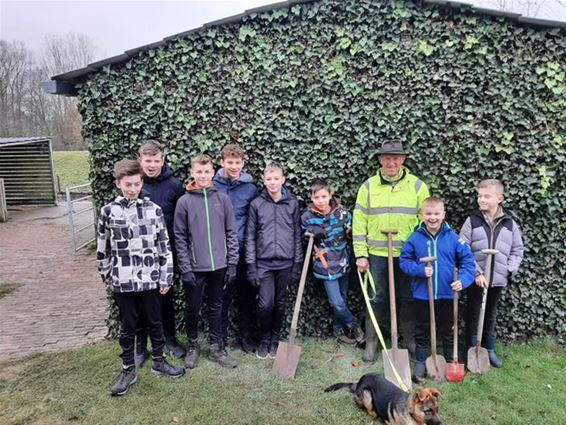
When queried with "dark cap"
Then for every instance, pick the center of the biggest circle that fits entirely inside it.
(392, 147)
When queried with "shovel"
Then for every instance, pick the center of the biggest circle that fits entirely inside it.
(478, 357)
(397, 358)
(435, 364)
(455, 371)
(288, 354)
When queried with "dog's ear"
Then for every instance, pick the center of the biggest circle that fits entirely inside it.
(434, 392)
(420, 396)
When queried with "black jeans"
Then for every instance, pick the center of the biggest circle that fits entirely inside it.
(472, 312)
(444, 315)
(271, 306)
(403, 297)
(132, 306)
(245, 295)
(214, 282)
(167, 318)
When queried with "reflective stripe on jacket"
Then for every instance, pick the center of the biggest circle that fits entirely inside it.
(381, 205)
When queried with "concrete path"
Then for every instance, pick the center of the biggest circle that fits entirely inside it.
(60, 302)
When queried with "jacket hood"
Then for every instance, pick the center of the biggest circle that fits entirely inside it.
(221, 178)
(507, 214)
(421, 228)
(334, 205)
(192, 187)
(164, 175)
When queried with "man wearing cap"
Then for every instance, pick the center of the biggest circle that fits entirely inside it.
(391, 199)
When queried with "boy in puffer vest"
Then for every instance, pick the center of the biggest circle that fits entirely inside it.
(134, 260)
(490, 227)
(330, 223)
(206, 237)
(435, 238)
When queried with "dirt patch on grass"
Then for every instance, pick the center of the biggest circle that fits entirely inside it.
(7, 288)
(10, 372)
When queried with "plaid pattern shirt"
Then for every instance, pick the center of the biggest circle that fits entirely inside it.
(133, 250)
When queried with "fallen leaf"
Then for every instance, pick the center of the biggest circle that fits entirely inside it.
(527, 366)
(175, 419)
(355, 363)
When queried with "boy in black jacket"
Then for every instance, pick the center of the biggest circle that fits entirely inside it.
(164, 189)
(274, 254)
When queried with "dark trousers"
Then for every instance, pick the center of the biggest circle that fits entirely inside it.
(472, 312)
(271, 305)
(444, 314)
(403, 297)
(132, 306)
(245, 295)
(167, 318)
(214, 282)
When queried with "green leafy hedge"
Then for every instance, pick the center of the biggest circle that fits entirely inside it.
(317, 86)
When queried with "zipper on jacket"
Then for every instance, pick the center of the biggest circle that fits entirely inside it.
(492, 246)
(435, 269)
(208, 229)
(274, 227)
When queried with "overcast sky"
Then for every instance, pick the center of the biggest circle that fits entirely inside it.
(116, 26)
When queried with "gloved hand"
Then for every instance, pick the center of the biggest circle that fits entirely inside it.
(230, 275)
(317, 232)
(252, 275)
(189, 280)
(296, 272)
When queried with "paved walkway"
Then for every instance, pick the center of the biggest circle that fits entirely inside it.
(60, 302)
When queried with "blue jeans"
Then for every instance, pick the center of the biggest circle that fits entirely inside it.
(337, 291)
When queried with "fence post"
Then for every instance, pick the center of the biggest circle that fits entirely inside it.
(3, 208)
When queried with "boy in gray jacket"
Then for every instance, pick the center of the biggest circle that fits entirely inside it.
(493, 227)
(206, 238)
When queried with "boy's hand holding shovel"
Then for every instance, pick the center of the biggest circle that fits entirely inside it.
(456, 285)
(481, 281)
(428, 270)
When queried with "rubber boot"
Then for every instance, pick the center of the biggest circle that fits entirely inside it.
(419, 370)
(371, 342)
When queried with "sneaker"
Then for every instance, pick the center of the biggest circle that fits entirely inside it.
(343, 338)
(248, 345)
(175, 348)
(140, 356)
(127, 378)
(220, 355)
(494, 360)
(419, 372)
(191, 359)
(162, 368)
(273, 349)
(357, 334)
(262, 351)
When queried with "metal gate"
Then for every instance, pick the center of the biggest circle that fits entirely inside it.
(82, 226)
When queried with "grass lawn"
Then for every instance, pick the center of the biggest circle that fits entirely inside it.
(72, 387)
(72, 167)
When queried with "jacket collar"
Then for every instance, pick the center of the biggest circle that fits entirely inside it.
(221, 178)
(192, 187)
(163, 175)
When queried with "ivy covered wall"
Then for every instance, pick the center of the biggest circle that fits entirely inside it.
(317, 86)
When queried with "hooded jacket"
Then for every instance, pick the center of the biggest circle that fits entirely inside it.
(273, 230)
(242, 192)
(133, 251)
(332, 261)
(504, 235)
(205, 230)
(164, 190)
(450, 251)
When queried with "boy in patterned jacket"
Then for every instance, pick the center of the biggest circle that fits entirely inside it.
(330, 222)
(134, 261)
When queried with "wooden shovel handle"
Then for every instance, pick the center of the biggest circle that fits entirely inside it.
(295, 319)
(455, 353)
(432, 315)
(392, 300)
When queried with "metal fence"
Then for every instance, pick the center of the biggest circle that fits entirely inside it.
(79, 221)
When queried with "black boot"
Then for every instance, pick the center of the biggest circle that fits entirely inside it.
(161, 367)
(419, 370)
(494, 359)
(193, 352)
(218, 354)
(357, 333)
(126, 379)
(174, 348)
(343, 338)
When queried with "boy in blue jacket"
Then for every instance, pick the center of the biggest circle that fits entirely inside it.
(164, 189)
(207, 252)
(241, 190)
(330, 223)
(436, 238)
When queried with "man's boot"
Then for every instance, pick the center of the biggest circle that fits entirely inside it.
(371, 342)
(193, 351)
(125, 380)
(161, 367)
(357, 333)
(218, 354)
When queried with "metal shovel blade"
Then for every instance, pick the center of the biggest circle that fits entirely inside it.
(400, 359)
(478, 360)
(455, 372)
(436, 367)
(286, 360)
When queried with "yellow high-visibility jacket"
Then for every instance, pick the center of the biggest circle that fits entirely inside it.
(383, 206)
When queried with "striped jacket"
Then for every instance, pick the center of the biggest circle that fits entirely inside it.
(381, 205)
(133, 250)
(332, 254)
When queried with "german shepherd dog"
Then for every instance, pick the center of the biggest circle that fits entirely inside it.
(381, 399)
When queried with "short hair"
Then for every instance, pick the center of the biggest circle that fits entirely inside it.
(232, 151)
(201, 159)
(492, 182)
(150, 147)
(273, 167)
(433, 200)
(320, 184)
(126, 167)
